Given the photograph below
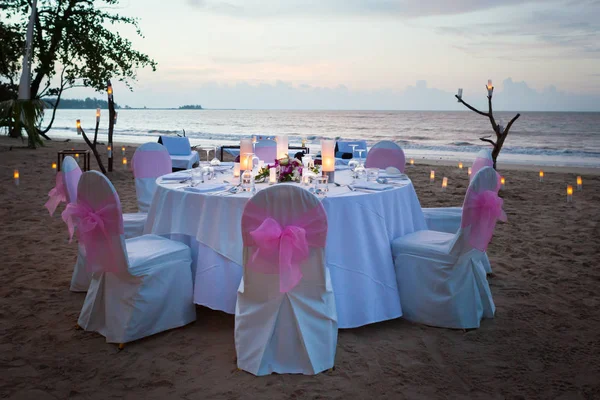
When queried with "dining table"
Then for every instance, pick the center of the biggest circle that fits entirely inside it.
(363, 219)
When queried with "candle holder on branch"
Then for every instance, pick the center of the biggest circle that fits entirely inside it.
(500, 131)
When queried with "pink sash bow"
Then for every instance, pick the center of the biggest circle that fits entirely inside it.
(95, 231)
(481, 212)
(58, 194)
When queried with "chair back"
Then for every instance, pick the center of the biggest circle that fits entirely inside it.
(343, 146)
(150, 161)
(284, 229)
(177, 146)
(482, 208)
(71, 173)
(99, 221)
(266, 150)
(386, 154)
(483, 159)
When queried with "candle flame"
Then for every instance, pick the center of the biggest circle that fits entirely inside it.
(97, 113)
(432, 175)
(469, 171)
(569, 190)
(460, 165)
(124, 160)
(489, 84)
(109, 90)
(53, 165)
(502, 180)
(444, 182)
(579, 180)
(78, 124)
(16, 174)
(412, 161)
(541, 174)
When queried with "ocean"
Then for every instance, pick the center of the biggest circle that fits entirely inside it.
(540, 138)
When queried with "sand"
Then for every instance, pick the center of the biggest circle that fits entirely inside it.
(544, 342)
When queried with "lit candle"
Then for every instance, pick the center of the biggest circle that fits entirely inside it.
(78, 125)
(97, 115)
(579, 183)
(569, 194)
(282, 146)
(125, 162)
(328, 155)
(123, 150)
(460, 165)
(246, 154)
(444, 184)
(77, 156)
(54, 166)
(541, 176)
(412, 162)
(272, 175)
(502, 182)
(459, 94)
(469, 171)
(490, 88)
(16, 176)
(236, 169)
(432, 176)
(109, 150)
(109, 90)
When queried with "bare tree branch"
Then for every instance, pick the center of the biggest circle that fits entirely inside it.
(488, 140)
(471, 107)
(93, 147)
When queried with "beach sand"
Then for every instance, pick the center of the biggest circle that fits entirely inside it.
(544, 342)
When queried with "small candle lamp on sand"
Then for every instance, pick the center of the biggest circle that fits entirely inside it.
(16, 176)
(431, 176)
(502, 182)
(412, 162)
(541, 176)
(125, 162)
(444, 184)
(579, 183)
(569, 194)
(123, 150)
(469, 171)
(460, 165)
(54, 166)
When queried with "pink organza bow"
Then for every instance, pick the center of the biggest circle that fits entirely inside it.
(58, 194)
(481, 212)
(287, 246)
(95, 230)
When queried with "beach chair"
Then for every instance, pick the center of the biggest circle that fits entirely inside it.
(386, 154)
(140, 286)
(285, 316)
(266, 150)
(150, 161)
(441, 278)
(182, 155)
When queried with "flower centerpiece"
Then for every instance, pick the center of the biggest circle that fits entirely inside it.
(290, 170)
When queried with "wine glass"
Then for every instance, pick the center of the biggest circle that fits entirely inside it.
(360, 172)
(215, 161)
(360, 151)
(353, 162)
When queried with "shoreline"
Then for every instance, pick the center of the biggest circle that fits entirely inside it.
(5, 141)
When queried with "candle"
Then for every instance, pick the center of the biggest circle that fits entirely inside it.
(303, 142)
(579, 183)
(97, 115)
(272, 175)
(412, 162)
(502, 182)
(54, 166)
(125, 162)
(77, 156)
(444, 184)
(246, 154)
(327, 155)
(123, 150)
(109, 90)
(460, 165)
(432, 176)
(16, 176)
(282, 146)
(459, 94)
(109, 150)
(469, 171)
(236, 169)
(490, 88)
(541, 176)
(569, 194)
(78, 125)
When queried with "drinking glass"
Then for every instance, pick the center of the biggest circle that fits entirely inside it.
(197, 176)
(247, 180)
(215, 161)
(372, 174)
(207, 173)
(360, 151)
(321, 184)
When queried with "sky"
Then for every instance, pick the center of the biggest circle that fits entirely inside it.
(365, 54)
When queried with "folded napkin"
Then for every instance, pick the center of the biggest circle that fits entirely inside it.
(372, 186)
(392, 176)
(176, 176)
(222, 168)
(206, 187)
(341, 167)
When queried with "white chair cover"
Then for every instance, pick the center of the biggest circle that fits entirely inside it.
(182, 156)
(150, 161)
(386, 154)
(141, 286)
(266, 150)
(441, 277)
(294, 331)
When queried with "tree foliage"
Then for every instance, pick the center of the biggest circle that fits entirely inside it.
(75, 45)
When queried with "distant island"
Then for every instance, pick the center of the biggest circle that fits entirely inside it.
(191, 107)
(80, 104)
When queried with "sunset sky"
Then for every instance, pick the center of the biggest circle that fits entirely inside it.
(365, 53)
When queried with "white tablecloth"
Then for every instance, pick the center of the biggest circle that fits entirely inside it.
(358, 253)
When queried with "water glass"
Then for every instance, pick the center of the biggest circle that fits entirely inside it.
(321, 184)
(372, 174)
(197, 176)
(247, 180)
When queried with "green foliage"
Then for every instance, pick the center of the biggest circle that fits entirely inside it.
(191, 107)
(24, 114)
(81, 104)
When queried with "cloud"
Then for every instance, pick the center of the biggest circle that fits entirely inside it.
(397, 8)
